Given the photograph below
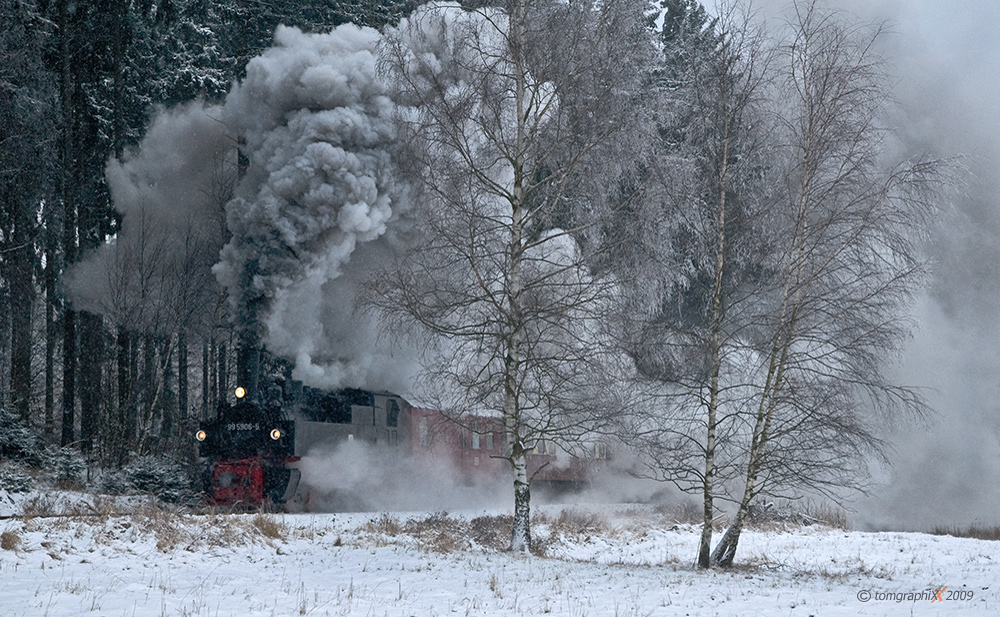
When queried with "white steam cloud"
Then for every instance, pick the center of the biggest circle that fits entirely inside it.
(312, 204)
(355, 476)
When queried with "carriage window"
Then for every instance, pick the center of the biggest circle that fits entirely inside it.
(545, 448)
(392, 415)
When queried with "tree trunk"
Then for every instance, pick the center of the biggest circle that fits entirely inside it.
(223, 391)
(92, 376)
(155, 391)
(715, 343)
(123, 347)
(68, 164)
(118, 33)
(213, 381)
(708, 489)
(22, 288)
(118, 423)
(69, 376)
(521, 528)
(22, 299)
(5, 321)
(134, 401)
(725, 550)
(205, 381)
(167, 411)
(147, 391)
(182, 376)
(520, 540)
(51, 327)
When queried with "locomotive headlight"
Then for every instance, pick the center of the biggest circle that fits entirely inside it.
(200, 435)
(276, 434)
(240, 392)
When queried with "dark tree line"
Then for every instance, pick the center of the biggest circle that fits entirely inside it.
(78, 84)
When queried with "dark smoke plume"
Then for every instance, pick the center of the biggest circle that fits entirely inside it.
(315, 206)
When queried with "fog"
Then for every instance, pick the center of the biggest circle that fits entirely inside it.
(945, 58)
(947, 471)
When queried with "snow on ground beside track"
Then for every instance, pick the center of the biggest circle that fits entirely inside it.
(620, 561)
(73, 502)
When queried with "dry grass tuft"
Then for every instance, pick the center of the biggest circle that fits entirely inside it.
(438, 533)
(684, 513)
(568, 524)
(772, 517)
(574, 523)
(269, 526)
(491, 532)
(169, 528)
(10, 541)
(38, 506)
(441, 533)
(831, 516)
(173, 529)
(979, 532)
(164, 525)
(385, 524)
(754, 564)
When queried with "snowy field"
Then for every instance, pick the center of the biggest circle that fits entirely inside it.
(598, 561)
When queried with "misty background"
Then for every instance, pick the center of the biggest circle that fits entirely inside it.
(946, 59)
(947, 56)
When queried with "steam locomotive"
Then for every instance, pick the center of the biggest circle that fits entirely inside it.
(253, 448)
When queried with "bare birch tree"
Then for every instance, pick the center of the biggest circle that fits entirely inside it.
(686, 294)
(846, 234)
(512, 120)
(787, 255)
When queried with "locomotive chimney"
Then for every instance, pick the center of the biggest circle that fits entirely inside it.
(249, 329)
(248, 371)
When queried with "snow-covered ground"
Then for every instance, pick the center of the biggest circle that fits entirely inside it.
(602, 560)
